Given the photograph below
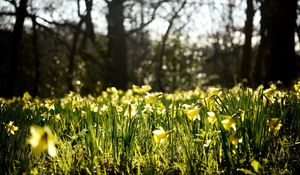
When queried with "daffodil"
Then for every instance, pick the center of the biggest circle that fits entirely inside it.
(193, 113)
(147, 109)
(160, 135)
(130, 111)
(11, 128)
(49, 104)
(211, 117)
(83, 113)
(255, 165)
(42, 139)
(34, 171)
(207, 143)
(26, 96)
(212, 91)
(57, 117)
(94, 107)
(141, 90)
(234, 140)
(152, 97)
(268, 92)
(275, 124)
(228, 122)
(104, 108)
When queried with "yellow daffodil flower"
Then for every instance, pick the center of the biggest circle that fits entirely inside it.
(26, 96)
(42, 139)
(147, 109)
(94, 107)
(193, 113)
(11, 128)
(34, 171)
(211, 117)
(274, 124)
(268, 92)
(152, 97)
(212, 91)
(141, 90)
(49, 104)
(255, 165)
(83, 113)
(130, 111)
(228, 122)
(234, 140)
(57, 117)
(160, 135)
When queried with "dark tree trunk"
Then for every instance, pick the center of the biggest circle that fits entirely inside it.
(73, 54)
(276, 56)
(15, 48)
(247, 48)
(117, 51)
(89, 26)
(35, 57)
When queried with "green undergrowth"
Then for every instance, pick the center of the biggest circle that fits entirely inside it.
(213, 131)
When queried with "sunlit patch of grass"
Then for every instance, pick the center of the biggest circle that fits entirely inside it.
(213, 131)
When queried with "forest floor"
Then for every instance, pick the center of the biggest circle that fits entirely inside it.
(202, 131)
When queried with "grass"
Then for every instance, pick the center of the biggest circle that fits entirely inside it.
(214, 131)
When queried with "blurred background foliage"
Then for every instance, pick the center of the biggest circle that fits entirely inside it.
(88, 45)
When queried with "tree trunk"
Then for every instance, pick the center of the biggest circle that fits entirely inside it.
(247, 48)
(276, 56)
(73, 54)
(35, 57)
(15, 48)
(117, 51)
(89, 26)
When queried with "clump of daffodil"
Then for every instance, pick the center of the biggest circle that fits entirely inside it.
(57, 117)
(112, 90)
(11, 128)
(49, 104)
(211, 117)
(94, 107)
(297, 86)
(213, 91)
(297, 89)
(104, 108)
(161, 109)
(274, 124)
(160, 135)
(142, 89)
(147, 109)
(42, 139)
(26, 96)
(130, 111)
(228, 122)
(192, 112)
(268, 92)
(152, 97)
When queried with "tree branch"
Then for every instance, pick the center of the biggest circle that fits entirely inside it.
(143, 25)
(7, 13)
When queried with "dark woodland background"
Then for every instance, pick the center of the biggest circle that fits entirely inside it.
(51, 56)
